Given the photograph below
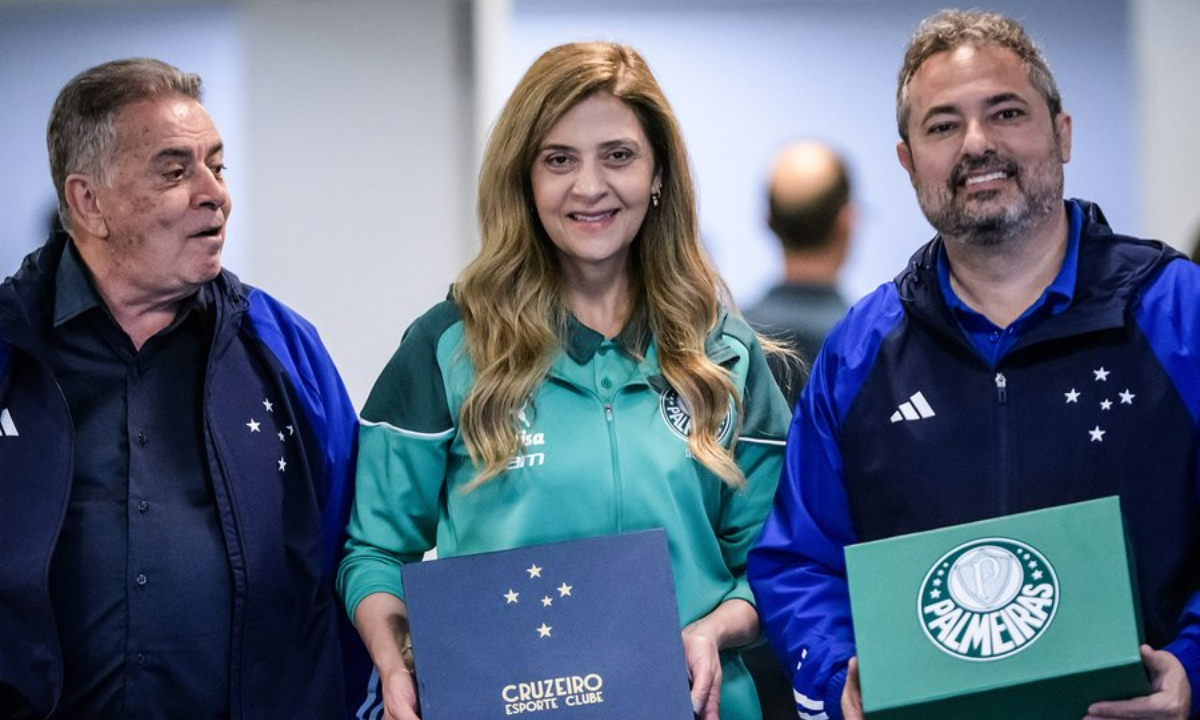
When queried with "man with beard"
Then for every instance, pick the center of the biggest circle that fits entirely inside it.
(1027, 357)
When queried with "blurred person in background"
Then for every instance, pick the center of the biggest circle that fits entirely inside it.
(811, 215)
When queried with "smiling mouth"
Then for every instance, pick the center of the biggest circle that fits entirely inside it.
(591, 217)
(978, 179)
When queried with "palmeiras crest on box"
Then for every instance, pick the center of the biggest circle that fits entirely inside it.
(988, 599)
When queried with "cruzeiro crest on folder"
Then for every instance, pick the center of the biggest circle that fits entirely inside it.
(988, 599)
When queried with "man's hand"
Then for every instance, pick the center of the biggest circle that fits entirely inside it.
(1170, 695)
(852, 693)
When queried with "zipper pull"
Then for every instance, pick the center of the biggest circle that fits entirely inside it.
(1001, 388)
(608, 412)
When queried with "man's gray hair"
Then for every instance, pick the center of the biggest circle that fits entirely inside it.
(81, 134)
(951, 29)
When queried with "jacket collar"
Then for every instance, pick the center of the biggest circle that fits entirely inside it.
(28, 298)
(1111, 269)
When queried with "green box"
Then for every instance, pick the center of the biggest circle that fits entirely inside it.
(1029, 615)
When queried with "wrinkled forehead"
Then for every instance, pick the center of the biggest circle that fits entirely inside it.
(147, 126)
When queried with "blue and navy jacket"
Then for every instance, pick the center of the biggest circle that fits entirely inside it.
(1100, 399)
(294, 653)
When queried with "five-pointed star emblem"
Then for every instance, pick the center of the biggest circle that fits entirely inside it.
(282, 464)
(1097, 434)
(547, 601)
(253, 425)
(1106, 404)
(1073, 396)
(1101, 374)
(510, 597)
(1127, 397)
(564, 590)
(534, 571)
(544, 630)
(268, 405)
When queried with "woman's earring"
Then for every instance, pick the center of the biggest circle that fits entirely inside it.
(655, 197)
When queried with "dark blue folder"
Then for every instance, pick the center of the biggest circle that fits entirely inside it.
(572, 630)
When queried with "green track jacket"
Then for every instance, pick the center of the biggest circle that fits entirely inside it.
(604, 452)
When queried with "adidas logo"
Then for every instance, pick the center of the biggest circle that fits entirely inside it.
(917, 408)
(7, 427)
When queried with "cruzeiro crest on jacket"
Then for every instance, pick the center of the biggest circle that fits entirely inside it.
(269, 435)
(678, 416)
(531, 453)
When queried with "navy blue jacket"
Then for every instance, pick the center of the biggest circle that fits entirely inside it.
(283, 530)
(1002, 439)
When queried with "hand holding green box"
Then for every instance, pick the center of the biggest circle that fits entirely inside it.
(1031, 615)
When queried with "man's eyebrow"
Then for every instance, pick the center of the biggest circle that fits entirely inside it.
(992, 101)
(1003, 98)
(181, 154)
(172, 153)
(943, 109)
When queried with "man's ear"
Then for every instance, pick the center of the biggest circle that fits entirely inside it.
(904, 155)
(84, 203)
(1062, 133)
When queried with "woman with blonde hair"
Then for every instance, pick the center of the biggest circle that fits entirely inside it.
(583, 379)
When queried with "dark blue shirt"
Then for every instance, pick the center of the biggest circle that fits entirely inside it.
(992, 341)
(140, 579)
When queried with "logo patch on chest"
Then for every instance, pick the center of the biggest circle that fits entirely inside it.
(678, 416)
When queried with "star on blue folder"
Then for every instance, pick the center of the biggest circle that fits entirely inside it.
(572, 630)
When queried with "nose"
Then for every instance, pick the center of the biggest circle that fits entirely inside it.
(589, 182)
(976, 140)
(210, 190)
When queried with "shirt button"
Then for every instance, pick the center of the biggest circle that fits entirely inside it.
(140, 659)
(606, 383)
(143, 506)
(141, 579)
(141, 438)
(995, 337)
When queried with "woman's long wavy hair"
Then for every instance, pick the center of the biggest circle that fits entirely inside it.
(511, 294)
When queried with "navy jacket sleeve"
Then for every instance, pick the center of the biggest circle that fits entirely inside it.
(1167, 314)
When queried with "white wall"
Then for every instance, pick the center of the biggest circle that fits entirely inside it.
(746, 76)
(1166, 37)
(359, 120)
(42, 48)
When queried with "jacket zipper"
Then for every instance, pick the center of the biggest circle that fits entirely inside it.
(1002, 442)
(619, 503)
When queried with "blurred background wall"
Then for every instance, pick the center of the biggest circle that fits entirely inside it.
(353, 127)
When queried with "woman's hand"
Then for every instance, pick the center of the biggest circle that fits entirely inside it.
(399, 695)
(733, 624)
(382, 621)
(704, 670)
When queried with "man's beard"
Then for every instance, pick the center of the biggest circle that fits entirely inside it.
(975, 219)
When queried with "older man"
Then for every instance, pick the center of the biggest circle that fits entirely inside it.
(1055, 361)
(175, 446)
